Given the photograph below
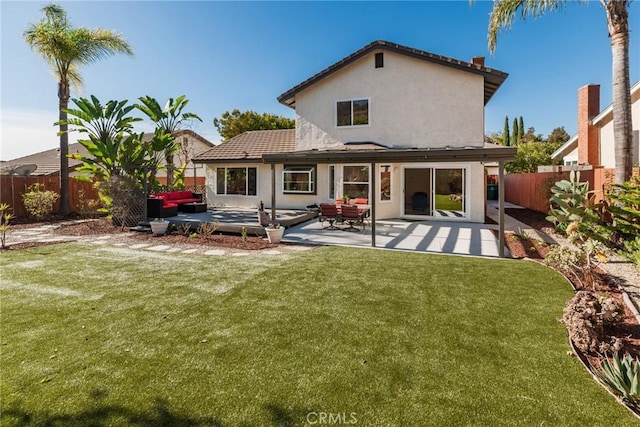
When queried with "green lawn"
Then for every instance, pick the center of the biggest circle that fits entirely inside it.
(97, 335)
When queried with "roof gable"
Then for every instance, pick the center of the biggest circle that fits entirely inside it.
(493, 79)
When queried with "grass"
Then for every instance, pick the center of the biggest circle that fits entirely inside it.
(444, 202)
(97, 335)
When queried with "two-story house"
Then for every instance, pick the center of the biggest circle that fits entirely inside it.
(401, 127)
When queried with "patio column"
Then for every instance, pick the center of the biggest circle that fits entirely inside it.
(501, 207)
(373, 204)
(273, 193)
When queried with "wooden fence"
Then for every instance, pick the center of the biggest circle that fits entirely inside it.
(13, 187)
(80, 193)
(533, 190)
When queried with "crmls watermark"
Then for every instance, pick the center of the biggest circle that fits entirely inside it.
(332, 418)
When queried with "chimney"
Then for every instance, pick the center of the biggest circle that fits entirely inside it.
(478, 60)
(588, 108)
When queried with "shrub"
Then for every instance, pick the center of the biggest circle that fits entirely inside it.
(5, 217)
(586, 315)
(621, 376)
(124, 199)
(572, 202)
(206, 229)
(39, 202)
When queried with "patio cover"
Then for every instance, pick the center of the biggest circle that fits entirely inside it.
(490, 153)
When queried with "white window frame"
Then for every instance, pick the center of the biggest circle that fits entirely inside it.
(357, 98)
(433, 166)
(311, 172)
(246, 184)
(368, 182)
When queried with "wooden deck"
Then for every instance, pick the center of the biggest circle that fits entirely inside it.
(233, 220)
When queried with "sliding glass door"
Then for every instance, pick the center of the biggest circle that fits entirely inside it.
(434, 192)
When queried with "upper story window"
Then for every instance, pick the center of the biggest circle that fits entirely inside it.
(354, 112)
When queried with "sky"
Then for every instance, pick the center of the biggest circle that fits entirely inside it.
(226, 55)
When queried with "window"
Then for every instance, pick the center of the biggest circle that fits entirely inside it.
(355, 181)
(385, 183)
(379, 60)
(352, 113)
(332, 182)
(240, 181)
(299, 179)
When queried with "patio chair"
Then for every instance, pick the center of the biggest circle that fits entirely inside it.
(419, 201)
(329, 212)
(351, 216)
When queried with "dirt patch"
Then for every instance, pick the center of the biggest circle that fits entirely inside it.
(533, 219)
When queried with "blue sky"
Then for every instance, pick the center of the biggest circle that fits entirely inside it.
(226, 55)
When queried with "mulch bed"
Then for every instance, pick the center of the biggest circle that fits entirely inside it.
(217, 240)
(31, 245)
(525, 247)
(103, 226)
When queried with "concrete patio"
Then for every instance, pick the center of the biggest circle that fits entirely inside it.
(460, 238)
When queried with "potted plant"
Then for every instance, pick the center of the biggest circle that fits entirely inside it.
(274, 233)
(159, 226)
(345, 199)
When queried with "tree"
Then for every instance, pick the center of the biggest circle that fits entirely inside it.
(515, 133)
(169, 119)
(520, 129)
(530, 155)
(234, 123)
(617, 11)
(506, 139)
(66, 48)
(558, 135)
(532, 136)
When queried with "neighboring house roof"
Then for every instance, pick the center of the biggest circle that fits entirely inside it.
(600, 120)
(606, 115)
(566, 148)
(250, 146)
(492, 78)
(48, 162)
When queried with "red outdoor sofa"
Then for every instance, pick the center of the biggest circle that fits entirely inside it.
(163, 205)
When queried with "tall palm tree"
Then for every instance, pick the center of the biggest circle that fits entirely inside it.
(503, 15)
(66, 48)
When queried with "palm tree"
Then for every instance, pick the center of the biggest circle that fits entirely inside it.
(503, 15)
(66, 48)
(170, 119)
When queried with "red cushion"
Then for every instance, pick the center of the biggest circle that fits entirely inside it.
(169, 205)
(186, 194)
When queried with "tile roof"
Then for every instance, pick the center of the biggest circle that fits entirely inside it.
(48, 162)
(492, 78)
(250, 145)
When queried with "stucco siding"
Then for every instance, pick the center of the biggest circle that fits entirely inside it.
(412, 103)
(607, 147)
